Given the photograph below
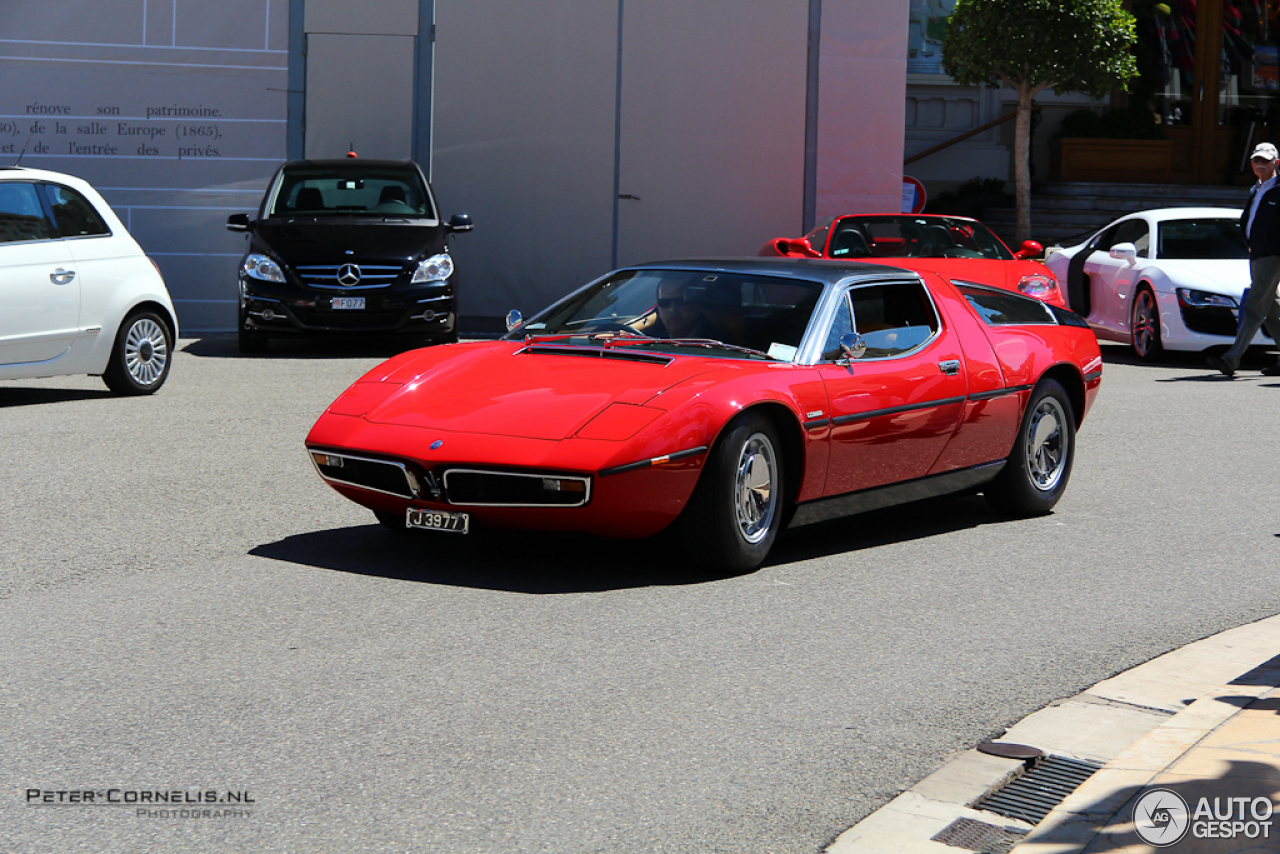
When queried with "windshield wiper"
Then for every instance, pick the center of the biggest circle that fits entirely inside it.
(712, 344)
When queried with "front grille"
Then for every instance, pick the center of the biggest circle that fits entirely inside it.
(326, 276)
(377, 475)
(1209, 319)
(504, 489)
(371, 318)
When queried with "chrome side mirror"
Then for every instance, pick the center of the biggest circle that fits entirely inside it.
(514, 319)
(853, 345)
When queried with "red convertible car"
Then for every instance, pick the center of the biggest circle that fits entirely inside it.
(731, 398)
(952, 246)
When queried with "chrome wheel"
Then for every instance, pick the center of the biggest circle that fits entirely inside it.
(1145, 327)
(146, 351)
(1046, 444)
(757, 500)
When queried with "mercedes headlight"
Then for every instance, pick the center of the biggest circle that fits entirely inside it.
(1200, 299)
(261, 267)
(437, 268)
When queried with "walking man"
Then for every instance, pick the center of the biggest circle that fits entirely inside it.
(1260, 221)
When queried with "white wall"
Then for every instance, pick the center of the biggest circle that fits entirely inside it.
(861, 92)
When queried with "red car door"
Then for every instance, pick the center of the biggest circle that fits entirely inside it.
(894, 409)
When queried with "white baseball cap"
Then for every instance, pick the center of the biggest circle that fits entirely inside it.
(1265, 150)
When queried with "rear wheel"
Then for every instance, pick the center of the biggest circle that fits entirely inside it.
(1039, 466)
(141, 355)
(1144, 325)
(736, 510)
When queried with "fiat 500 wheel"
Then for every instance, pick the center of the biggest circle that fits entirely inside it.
(737, 508)
(140, 358)
(1144, 325)
(1039, 466)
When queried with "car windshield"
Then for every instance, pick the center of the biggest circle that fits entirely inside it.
(718, 313)
(888, 236)
(1200, 239)
(360, 191)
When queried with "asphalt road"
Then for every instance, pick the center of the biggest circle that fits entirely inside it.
(184, 605)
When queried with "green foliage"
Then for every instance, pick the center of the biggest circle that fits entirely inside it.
(1113, 124)
(1063, 45)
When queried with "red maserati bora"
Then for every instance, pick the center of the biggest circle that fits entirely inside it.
(729, 398)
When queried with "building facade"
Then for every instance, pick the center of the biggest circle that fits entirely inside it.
(578, 136)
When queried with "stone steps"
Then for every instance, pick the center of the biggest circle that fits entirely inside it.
(1065, 214)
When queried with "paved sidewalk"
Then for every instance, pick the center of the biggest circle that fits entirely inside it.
(1201, 724)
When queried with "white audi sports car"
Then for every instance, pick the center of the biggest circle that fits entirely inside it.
(1165, 279)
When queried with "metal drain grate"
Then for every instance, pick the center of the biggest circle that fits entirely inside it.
(1031, 795)
(978, 836)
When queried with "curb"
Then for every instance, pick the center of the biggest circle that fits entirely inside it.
(1135, 724)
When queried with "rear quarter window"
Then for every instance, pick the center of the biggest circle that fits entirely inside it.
(1002, 308)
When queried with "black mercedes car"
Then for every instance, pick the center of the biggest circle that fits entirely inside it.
(347, 246)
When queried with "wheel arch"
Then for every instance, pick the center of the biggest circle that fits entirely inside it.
(1070, 378)
(790, 433)
(170, 322)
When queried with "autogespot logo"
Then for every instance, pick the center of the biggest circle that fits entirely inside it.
(1161, 817)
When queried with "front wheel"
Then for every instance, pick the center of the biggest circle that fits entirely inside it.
(1144, 325)
(1039, 466)
(141, 355)
(736, 509)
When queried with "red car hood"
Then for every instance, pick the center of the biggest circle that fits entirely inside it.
(494, 389)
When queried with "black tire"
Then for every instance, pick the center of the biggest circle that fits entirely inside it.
(1039, 465)
(737, 508)
(1144, 325)
(141, 355)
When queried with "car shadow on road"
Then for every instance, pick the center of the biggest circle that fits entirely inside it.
(223, 346)
(11, 396)
(917, 521)
(549, 563)
(515, 561)
(1254, 360)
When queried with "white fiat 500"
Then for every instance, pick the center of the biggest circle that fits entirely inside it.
(77, 293)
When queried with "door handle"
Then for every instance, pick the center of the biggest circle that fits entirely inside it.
(628, 196)
(61, 276)
(950, 367)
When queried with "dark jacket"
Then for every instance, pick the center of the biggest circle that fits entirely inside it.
(1264, 239)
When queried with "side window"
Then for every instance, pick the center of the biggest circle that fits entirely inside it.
(73, 213)
(893, 318)
(842, 326)
(21, 215)
(1134, 231)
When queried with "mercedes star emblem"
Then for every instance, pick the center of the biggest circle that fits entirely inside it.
(348, 275)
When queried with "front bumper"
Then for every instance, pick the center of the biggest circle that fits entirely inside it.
(284, 308)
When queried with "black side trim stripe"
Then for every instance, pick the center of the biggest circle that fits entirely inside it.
(1000, 392)
(930, 486)
(816, 423)
(643, 464)
(894, 410)
(1092, 375)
